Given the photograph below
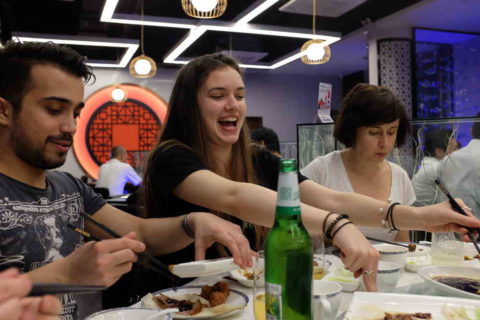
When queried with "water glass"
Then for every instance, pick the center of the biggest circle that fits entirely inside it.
(259, 287)
(447, 248)
(319, 263)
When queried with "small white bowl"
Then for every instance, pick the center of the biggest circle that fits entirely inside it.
(243, 277)
(388, 275)
(392, 253)
(414, 263)
(344, 278)
(131, 314)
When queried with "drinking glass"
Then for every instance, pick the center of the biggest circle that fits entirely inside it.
(259, 287)
(319, 263)
(447, 248)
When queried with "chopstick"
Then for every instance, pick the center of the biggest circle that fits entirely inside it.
(457, 208)
(40, 289)
(409, 246)
(144, 258)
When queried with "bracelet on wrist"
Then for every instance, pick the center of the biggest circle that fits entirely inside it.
(186, 227)
(325, 222)
(338, 229)
(390, 216)
(328, 234)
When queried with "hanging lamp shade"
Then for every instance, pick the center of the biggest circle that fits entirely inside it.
(315, 52)
(204, 9)
(142, 67)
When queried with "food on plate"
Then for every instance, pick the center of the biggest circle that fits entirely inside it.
(247, 273)
(453, 312)
(469, 285)
(407, 316)
(412, 247)
(210, 297)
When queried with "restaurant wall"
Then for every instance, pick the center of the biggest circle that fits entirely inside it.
(282, 100)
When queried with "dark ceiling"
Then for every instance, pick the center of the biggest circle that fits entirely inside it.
(82, 18)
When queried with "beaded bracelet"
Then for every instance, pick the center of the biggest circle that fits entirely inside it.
(186, 227)
(333, 224)
(325, 221)
(338, 229)
(390, 216)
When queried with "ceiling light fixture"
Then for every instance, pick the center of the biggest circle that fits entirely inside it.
(142, 67)
(118, 94)
(239, 25)
(204, 9)
(315, 51)
(131, 46)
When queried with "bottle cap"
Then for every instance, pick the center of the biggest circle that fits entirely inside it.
(288, 165)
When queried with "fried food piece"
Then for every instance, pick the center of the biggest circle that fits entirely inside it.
(206, 291)
(412, 247)
(217, 298)
(222, 287)
(407, 316)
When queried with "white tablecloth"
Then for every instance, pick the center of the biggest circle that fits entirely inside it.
(410, 282)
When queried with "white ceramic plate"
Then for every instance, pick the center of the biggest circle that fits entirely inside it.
(127, 314)
(428, 272)
(236, 298)
(203, 268)
(373, 305)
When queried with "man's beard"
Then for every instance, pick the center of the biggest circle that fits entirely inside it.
(25, 149)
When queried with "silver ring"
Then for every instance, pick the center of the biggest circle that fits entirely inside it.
(467, 207)
(368, 272)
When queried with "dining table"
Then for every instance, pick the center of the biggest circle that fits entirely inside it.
(409, 283)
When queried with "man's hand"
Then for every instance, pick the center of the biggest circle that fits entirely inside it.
(13, 304)
(102, 262)
(209, 228)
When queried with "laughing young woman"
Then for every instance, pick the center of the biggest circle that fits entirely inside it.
(203, 163)
(371, 123)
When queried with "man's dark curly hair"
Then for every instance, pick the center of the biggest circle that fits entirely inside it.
(17, 60)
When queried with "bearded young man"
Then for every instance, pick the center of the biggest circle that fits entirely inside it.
(41, 95)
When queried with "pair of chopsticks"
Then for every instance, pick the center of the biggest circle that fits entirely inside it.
(40, 289)
(411, 246)
(144, 258)
(457, 208)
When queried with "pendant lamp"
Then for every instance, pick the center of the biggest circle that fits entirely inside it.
(142, 66)
(315, 52)
(204, 9)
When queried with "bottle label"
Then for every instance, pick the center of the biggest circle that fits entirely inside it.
(288, 194)
(273, 301)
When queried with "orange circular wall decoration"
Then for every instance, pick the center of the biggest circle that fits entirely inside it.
(103, 123)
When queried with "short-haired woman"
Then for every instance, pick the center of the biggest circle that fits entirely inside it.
(372, 122)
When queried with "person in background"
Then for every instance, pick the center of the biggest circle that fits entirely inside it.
(267, 137)
(439, 143)
(203, 161)
(265, 149)
(41, 96)
(117, 172)
(14, 303)
(460, 171)
(371, 123)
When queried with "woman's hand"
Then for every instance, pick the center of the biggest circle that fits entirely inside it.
(210, 228)
(357, 254)
(441, 218)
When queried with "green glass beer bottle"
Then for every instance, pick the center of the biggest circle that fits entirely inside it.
(288, 254)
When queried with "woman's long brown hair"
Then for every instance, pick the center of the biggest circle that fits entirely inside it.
(184, 126)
